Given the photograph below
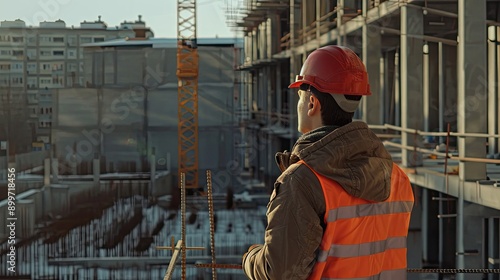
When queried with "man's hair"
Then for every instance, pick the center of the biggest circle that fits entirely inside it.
(331, 113)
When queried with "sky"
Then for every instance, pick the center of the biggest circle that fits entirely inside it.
(159, 15)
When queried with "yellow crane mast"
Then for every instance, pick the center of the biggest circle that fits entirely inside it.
(187, 76)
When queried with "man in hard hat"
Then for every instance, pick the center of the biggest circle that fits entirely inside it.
(341, 207)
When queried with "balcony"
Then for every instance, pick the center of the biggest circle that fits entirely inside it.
(32, 101)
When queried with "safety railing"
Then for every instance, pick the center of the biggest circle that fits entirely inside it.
(422, 133)
(327, 22)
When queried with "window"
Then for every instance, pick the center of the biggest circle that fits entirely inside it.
(58, 39)
(72, 53)
(4, 52)
(45, 124)
(45, 39)
(31, 54)
(71, 67)
(17, 52)
(45, 53)
(57, 67)
(45, 81)
(58, 53)
(17, 80)
(45, 66)
(4, 66)
(98, 39)
(32, 82)
(57, 81)
(50, 110)
(4, 38)
(85, 40)
(31, 66)
(17, 39)
(72, 40)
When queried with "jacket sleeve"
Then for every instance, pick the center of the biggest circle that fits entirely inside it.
(294, 231)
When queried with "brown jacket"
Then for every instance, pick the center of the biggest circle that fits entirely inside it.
(353, 156)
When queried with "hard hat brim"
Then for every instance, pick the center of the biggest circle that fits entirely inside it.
(296, 84)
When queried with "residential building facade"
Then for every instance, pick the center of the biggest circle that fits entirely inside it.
(36, 60)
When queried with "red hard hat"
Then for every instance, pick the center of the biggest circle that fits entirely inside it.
(336, 70)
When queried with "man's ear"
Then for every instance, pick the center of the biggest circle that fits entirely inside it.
(314, 106)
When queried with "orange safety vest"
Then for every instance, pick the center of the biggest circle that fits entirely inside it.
(364, 240)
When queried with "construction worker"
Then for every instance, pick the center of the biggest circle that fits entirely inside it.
(341, 207)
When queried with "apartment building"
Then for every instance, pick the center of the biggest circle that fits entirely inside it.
(35, 60)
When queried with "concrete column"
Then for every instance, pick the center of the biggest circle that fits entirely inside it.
(279, 91)
(269, 92)
(397, 90)
(46, 172)
(491, 246)
(295, 65)
(261, 33)
(425, 87)
(340, 27)
(59, 198)
(440, 231)
(318, 23)
(460, 261)
(55, 171)
(270, 37)
(441, 93)
(255, 40)
(372, 106)
(492, 87)
(26, 218)
(472, 95)
(248, 48)
(386, 85)
(411, 81)
(382, 88)
(152, 162)
(96, 166)
(55, 165)
(425, 223)
(498, 92)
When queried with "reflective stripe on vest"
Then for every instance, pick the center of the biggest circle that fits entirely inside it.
(396, 274)
(363, 239)
(364, 249)
(363, 210)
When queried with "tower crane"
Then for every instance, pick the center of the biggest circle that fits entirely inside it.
(187, 76)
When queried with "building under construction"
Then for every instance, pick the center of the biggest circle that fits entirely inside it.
(433, 71)
(105, 196)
